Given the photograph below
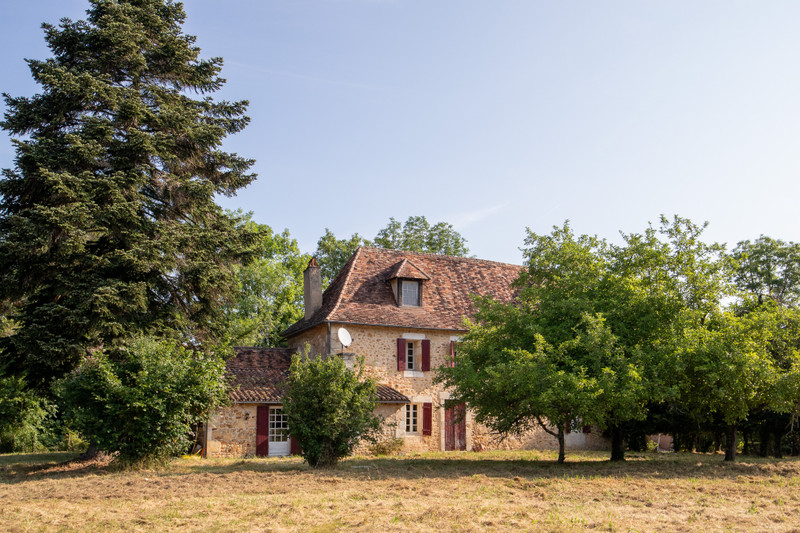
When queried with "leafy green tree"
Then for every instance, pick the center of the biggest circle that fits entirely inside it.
(143, 400)
(329, 408)
(768, 269)
(513, 380)
(415, 235)
(602, 318)
(108, 224)
(727, 371)
(268, 296)
(767, 276)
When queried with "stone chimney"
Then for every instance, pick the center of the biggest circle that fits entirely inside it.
(312, 287)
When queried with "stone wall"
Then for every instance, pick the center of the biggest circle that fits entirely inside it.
(232, 432)
(378, 347)
(539, 439)
(316, 338)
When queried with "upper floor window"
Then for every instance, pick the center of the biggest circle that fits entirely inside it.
(410, 359)
(410, 292)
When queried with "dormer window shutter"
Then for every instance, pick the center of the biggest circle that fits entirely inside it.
(401, 354)
(426, 355)
(427, 418)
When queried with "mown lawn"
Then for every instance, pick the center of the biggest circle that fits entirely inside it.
(491, 491)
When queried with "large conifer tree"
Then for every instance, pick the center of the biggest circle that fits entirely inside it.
(108, 224)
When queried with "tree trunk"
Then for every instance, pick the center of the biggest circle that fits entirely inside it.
(91, 453)
(561, 446)
(617, 444)
(730, 449)
(746, 447)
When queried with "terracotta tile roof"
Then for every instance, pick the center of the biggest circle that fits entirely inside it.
(257, 375)
(407, 270)
(386, 394)
(361, 294)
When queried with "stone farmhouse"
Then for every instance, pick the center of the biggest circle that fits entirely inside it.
(404, 314)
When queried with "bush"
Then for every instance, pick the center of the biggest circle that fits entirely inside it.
(329, 408)
(390, 446)
(22, 416)
(142, 401)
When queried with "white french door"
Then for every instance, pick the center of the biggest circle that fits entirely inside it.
(278, 433)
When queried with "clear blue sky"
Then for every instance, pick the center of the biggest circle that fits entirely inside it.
(497, 115)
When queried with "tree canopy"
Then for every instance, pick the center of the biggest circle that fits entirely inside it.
(268, 296)
(415, 235)
(108, 223)
(593, 332)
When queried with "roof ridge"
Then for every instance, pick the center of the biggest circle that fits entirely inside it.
(351, 263)
(446, 256)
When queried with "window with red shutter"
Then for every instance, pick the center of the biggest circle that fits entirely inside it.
(427, 418)
(426, 355)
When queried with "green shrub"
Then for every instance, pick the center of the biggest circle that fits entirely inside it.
(23, 416)
(141, 401)
(329, 408)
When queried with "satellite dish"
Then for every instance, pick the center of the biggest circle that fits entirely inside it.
(344, 337)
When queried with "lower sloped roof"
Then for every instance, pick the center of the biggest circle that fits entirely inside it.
(258, 375)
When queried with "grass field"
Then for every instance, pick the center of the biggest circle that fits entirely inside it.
(502, 491)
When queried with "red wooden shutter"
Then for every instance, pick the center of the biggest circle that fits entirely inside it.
(262, 431)
(427, 418)
(426, 355)
(401, 354)
(452, 361)
(294, 446)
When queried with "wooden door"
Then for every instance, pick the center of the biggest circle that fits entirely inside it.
(455, 426)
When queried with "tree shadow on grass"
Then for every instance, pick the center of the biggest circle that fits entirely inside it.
(520, 466)
(640, 466)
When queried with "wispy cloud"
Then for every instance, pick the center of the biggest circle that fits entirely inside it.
(312, 79)
(468, 218)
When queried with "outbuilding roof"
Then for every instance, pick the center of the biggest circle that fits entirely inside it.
(362, 294)
(258, 375)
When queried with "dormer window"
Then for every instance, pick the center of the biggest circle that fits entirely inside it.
(406, 280)
(410, 292)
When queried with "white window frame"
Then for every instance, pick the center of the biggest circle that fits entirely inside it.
(410, 282)
(412, 358)
(412, 419)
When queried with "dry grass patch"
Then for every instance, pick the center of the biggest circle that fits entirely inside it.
(503, 491)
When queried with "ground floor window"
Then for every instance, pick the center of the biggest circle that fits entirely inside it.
(411, 418)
